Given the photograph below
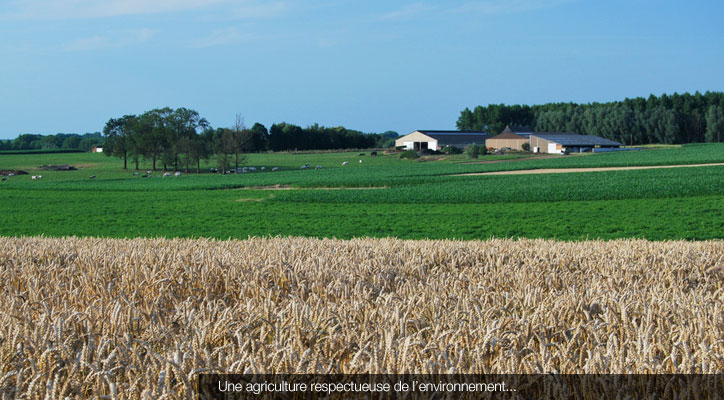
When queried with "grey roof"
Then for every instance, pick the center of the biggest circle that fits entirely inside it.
(444, 140)
(573, 139)
(435, 134)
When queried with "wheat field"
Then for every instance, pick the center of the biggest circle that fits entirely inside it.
(140, 318)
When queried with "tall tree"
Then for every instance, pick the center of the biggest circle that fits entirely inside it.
(715, 123)
(238, 140)
(118, 132)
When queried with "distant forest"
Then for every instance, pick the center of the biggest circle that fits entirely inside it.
(676, 118)
(60, 141)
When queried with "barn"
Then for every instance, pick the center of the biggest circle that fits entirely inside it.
(560, 142)
(512, 138)
(436, 140)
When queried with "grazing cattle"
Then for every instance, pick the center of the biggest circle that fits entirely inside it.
(149, 172)
(361, 154)
(318, 167)
(136, 173)
(93, 177)
(4, 179)
(360, 161)
(373, 153)
(305, 166)
(275, 169)
(36, 177)
(252, 169)
(166, 174)
(213, 170)
(263, 168)
(345, 163)
(144, 176)
(177, 173)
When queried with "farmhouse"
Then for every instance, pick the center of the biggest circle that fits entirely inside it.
(436, 140)
(97, 150)
(513, 138)
(560, 142)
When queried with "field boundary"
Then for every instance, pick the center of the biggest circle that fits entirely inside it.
(592, 169)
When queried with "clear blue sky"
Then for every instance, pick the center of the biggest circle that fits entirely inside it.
(70, 65)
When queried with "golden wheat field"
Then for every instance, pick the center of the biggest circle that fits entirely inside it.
(140, 318)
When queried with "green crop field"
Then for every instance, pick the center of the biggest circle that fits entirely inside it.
(380, 197)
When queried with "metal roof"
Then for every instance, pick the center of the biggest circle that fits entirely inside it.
(456, 133)
(459, 139)
(573, 139)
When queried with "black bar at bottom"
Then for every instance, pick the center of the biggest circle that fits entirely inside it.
(510, 386)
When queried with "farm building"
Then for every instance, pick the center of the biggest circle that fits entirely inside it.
(97, 150)
(560, 142)
(436, 140)
(509, 138)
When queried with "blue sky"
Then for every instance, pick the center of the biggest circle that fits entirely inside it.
(70, 65)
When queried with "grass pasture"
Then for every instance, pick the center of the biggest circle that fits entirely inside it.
(382, 197)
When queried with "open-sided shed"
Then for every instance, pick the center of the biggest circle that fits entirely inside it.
(559, 142)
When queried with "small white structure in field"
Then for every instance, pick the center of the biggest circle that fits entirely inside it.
(345, 163)
(275, 169)
(177, 173)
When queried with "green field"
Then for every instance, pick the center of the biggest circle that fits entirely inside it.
(383, 196)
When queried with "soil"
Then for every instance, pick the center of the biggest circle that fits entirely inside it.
(6, 172)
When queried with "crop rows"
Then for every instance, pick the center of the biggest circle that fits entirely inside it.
(140, 318)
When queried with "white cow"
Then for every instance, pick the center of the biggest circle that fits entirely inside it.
(345, 163)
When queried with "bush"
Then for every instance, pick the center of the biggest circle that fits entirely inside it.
(409, 154)
(451, 150)
(526, 146)
(472, 151)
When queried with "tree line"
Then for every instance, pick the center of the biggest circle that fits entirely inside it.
(671, 119)
(181, 139)
(67, 141)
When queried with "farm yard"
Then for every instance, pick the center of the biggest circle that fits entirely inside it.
(382, 197)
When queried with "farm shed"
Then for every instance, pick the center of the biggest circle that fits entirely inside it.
(508, 138)
(97, 150)
(436, 140)
(559, 142)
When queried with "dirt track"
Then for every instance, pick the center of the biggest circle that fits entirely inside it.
(597, 169)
